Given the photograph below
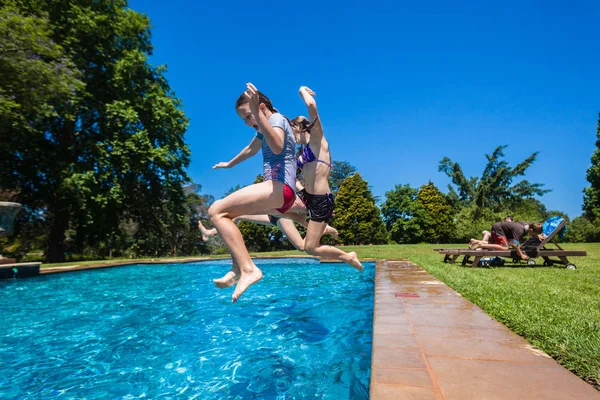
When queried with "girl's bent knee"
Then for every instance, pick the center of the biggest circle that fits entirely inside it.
(215, 210)
(310, 248)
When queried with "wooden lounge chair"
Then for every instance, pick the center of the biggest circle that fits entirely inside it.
(533, 251)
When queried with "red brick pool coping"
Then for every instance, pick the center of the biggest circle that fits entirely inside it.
(431, 343)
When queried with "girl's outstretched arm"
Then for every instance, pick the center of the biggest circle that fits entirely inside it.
(308, 96)
(243, 155)
(273, 135)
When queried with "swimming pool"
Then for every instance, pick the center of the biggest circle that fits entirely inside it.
(150, 331)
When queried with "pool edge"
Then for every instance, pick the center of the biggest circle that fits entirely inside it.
(71, 268)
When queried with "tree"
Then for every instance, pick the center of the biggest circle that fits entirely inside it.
(190, 237)
(591, 194)
(399, 203)
(115, 148)
(438, 227)
(36, 79)
(582, 230)
(340, 170)
(495, 189)
(357, 218)
(36, 76)
(405, 218)
(530, 210)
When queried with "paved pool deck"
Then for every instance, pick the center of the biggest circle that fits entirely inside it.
(431, 343)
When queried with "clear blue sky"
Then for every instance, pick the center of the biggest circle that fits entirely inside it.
(399, 84)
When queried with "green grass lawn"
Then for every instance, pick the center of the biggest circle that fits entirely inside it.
(555, 309)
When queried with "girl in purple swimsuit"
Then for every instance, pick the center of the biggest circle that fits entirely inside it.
(315, 162)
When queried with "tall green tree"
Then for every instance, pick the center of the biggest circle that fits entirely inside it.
(404, 216)
(357, 217)
(591, 194)
(340, 170)
(398, 204)
(116, 149)
(37, 81)
(494, 189)
(439, 225)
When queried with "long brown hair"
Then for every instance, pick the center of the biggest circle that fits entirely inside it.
(303, 124)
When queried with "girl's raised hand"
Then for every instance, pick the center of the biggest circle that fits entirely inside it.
(253, 98)
(308, 90)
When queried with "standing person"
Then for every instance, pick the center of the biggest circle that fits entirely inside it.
(315, 162)
(276, 139)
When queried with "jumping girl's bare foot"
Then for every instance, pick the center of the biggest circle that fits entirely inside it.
(352, 259)
(229, 279)
(206, 233)
(329, 230)
(246, 279)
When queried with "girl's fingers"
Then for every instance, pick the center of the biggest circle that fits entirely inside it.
(251, 93)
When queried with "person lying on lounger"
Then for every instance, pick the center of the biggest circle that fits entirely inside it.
(504, 235)
(486, 235)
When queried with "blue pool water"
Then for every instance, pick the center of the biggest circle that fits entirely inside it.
(165, 331)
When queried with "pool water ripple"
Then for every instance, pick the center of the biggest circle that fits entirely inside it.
(303, 332)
